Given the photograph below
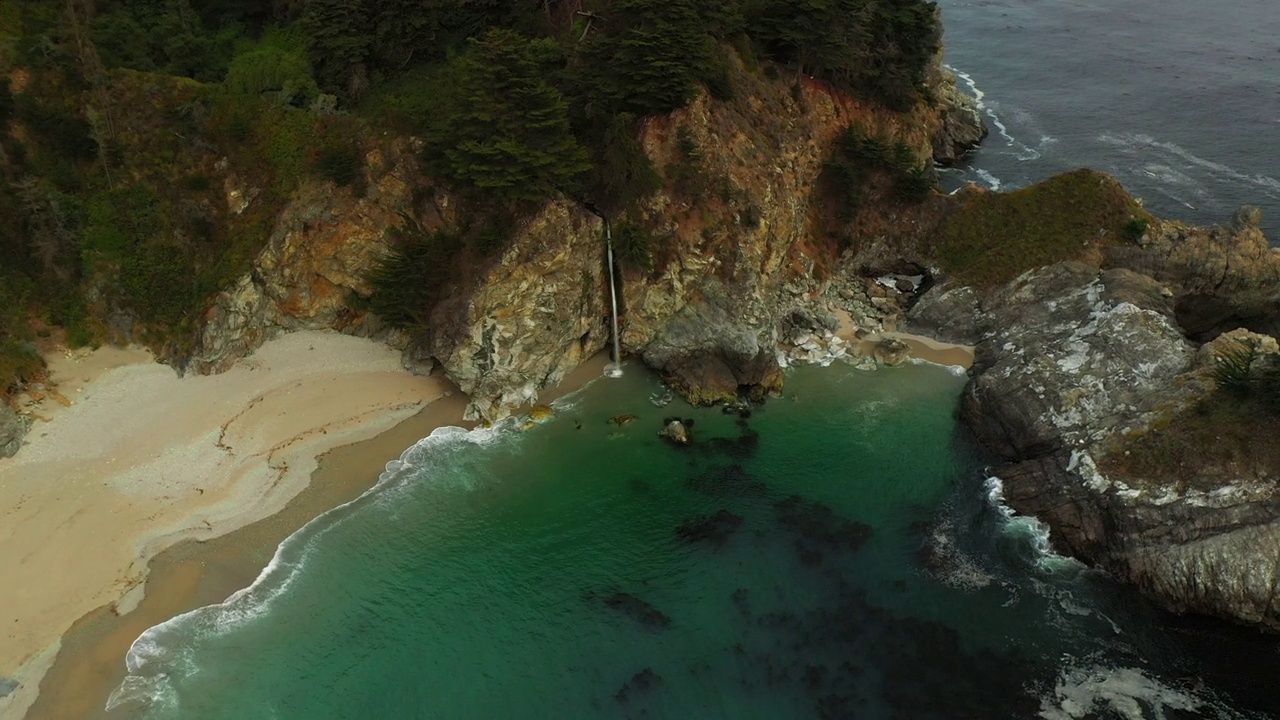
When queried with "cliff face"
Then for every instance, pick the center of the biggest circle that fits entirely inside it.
(736, 255)
(1109, 421)
(323, 245)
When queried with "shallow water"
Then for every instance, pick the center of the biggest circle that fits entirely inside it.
(837, 554)
(1179, 99)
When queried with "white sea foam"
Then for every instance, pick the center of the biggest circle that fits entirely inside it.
(1094, 690)
(1030, 529)
(1167, 155)
(992, 181)
(165, 650)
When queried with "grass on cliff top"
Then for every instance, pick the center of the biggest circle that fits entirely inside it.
(991, 238)
(1221, 438)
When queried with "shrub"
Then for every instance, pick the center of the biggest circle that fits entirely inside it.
(339, 163)
(407, 280)
(282, 75)
(634, 245)
(1135, 229)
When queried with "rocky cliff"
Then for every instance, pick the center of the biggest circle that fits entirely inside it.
(737, 253)
(1091, 386)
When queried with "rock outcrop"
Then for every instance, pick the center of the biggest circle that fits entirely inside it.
(322, 248)
(1223, 277)
(962, 125)
(13, 427)
(1086, 384)
(531, 317)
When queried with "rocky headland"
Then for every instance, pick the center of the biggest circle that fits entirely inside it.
(1098, 328)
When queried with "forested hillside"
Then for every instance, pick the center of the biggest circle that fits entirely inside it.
(117, 116)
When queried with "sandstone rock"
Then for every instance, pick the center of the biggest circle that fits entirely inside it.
(541, 412)
(892, 352)
(13, 427)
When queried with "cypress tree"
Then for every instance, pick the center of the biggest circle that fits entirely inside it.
(504, 131)
(339, 43)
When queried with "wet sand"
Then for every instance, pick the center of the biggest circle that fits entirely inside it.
(192, 574)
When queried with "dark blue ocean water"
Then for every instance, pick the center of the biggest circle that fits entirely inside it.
(1179, 99)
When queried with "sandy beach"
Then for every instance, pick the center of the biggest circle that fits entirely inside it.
(134, 459)
(141, 495)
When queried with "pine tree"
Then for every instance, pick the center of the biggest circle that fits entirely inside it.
(650, 58)
(339, 42)
(505, 131)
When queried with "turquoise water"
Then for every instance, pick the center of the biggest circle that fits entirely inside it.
(838, 554)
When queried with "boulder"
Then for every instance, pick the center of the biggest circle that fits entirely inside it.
(892, 352)
(710, 355)
(676, 431)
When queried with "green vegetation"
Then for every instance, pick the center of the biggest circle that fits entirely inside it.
(407, 281)
(130, 120)
(993, 237)
(859, 158)
(504, 131)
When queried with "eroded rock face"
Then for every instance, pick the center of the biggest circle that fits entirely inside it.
(1074, 363)
(537, 313)
(13, 427)
(963, 127)
(317, 257)
(1223, 277)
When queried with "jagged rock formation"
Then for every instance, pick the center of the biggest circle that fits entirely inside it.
(1088, 386)
(1224, 277)
(737, 258)
(963, 127)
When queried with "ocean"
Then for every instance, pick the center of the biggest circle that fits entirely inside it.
(1180, 100)
(841, 553)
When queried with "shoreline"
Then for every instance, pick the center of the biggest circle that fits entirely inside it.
(192, 574)
(78, 672)
(131, 460)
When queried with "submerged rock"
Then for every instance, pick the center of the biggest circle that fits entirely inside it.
(621, 420)
(638, 610)
(7, 686)
(715, 530)
(819, 530)
(640, 684)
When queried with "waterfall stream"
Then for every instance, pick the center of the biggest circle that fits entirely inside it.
(613, 369)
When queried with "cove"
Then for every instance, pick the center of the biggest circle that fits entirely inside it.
(839, 553)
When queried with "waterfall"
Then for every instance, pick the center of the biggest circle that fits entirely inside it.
(613, 369)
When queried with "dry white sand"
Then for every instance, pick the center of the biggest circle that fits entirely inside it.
(138, 459)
